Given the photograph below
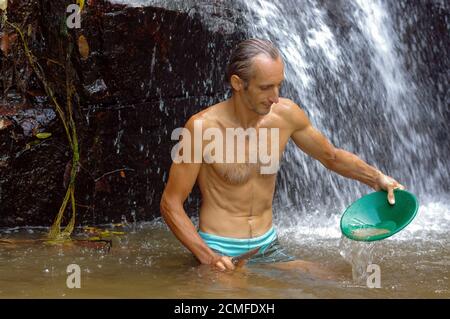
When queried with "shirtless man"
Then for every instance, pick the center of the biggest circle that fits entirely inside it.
(236, 210)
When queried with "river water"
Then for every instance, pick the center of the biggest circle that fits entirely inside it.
(149, 262)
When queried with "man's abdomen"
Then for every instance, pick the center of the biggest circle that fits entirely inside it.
(242, 224)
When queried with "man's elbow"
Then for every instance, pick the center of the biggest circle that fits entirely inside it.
(167, 206)
(164, 206)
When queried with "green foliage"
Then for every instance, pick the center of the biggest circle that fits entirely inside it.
(66, 116)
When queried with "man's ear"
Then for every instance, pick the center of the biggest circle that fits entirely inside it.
(236, 83)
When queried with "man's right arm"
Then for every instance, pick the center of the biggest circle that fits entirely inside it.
(181, 180)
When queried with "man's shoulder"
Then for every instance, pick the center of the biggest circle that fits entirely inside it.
(291, 114)
(287, 108)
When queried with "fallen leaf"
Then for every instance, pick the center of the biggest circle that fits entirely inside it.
(94, 238)
(4, 124)
(43, 135)
(83, 47)
(30, 30)
(4, 44)
(28, 146)
(3, 4)
(80, 4)
(122, 174)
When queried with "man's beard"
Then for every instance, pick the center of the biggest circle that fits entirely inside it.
(256, 110)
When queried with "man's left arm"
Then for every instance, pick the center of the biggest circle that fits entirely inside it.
(312, 142)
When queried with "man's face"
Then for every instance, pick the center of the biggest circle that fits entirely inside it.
(264, 87)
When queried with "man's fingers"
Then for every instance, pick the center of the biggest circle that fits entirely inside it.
(224, 263)
(228, 263)
(220, 265)
(389, 184)
(391, 198)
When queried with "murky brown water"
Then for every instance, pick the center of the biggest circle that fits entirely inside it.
(148, 262)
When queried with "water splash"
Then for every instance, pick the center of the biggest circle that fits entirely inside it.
(359, 255)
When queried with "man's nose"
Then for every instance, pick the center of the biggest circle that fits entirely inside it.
(274, 97)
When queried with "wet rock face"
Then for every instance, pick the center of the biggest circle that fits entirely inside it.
(148, 53)
(140, 73)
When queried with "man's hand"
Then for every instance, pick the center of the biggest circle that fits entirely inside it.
(223, 263)
(388, 184)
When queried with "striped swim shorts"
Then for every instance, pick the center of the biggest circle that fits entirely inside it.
(270, 250)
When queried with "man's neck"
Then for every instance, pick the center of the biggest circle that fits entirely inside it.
(242, 114)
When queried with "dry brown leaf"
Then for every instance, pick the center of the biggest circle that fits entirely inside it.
(4, 124)
(83, 47)
(4, 43)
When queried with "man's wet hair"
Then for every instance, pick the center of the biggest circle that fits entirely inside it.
(242, 58)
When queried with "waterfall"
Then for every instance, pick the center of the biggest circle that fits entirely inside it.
(345, 66)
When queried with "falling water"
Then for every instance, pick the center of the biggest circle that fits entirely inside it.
(359, 255)
(349, 77)
(345, 65)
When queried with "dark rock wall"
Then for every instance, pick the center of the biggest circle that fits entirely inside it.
(148, 70)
